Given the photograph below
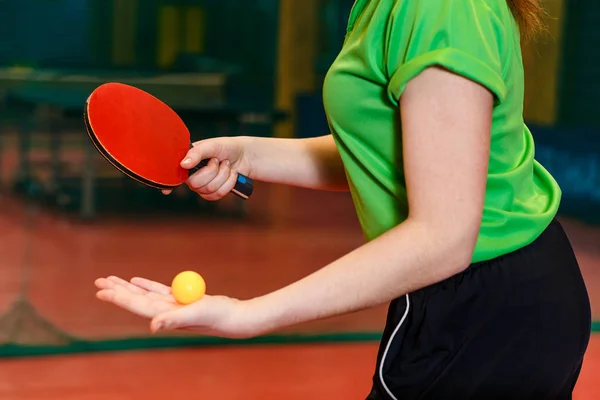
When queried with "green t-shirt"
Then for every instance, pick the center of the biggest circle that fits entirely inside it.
(388, 42)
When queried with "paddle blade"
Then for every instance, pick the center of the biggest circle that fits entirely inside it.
(139, 134)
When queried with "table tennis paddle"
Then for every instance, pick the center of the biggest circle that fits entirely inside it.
(143, 137)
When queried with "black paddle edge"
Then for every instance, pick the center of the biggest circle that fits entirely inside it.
(113, 161)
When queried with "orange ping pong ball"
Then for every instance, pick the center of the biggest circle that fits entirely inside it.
(188, 287)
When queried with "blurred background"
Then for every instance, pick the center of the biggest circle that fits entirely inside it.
(230, 67)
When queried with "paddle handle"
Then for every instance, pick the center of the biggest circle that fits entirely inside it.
(243, 187)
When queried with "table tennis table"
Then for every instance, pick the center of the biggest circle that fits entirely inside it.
(50, 98)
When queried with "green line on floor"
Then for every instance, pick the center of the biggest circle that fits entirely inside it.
(149, 343)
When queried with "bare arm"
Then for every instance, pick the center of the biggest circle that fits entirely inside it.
(312, 163)
(446, 122)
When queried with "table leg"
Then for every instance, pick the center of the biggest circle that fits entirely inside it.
(88, 183)
(1, 154)
(53, 120)
(23, 177)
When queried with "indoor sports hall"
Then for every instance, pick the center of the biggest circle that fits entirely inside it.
(229, 68)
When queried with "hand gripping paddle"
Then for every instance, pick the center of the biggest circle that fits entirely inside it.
(143, 137)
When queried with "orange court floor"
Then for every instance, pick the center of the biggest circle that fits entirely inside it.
(291, 372)
(288, 234)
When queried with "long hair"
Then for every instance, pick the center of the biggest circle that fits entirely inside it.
(529, 15)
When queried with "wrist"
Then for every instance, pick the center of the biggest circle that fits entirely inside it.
(249, 156)
(261, 316)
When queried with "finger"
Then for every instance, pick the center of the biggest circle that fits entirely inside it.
(154, 290)
(225, 189)
(115, 284)
(105, 283)
(161, 297)
(151, 286)
(202, 177)
(167, 192)
(140, 305)
(127, 285)
(200, 150)
(218, 181)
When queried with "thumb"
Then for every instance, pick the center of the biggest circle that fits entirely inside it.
(183, 317)
(202, 150)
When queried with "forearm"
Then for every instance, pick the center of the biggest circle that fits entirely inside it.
(313, 163)
(407, 258)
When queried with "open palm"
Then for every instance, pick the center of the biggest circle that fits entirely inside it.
(213, 315)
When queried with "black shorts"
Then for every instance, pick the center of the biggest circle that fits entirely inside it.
(515, 327)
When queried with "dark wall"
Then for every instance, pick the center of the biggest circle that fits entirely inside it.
(34, 32)
(580, 80)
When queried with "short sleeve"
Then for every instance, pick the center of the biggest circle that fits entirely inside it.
(463, 36)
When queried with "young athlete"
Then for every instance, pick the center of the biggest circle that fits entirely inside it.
(425, 104)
